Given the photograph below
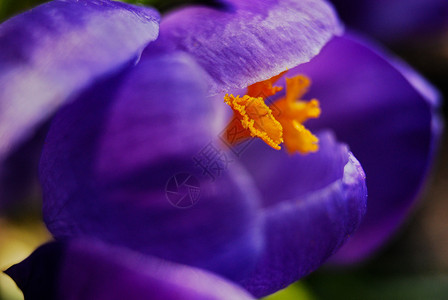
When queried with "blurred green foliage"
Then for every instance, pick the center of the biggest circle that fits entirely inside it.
(143, 2)
(297, 291)
(354, 286)
(166, 5)
(9, 8)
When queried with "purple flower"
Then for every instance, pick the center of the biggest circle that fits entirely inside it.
(89, 269)
(129, 130)
(395, 20)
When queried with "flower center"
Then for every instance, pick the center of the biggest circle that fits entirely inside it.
(282, 121)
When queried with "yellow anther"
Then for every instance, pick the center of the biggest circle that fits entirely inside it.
(294, 113)
(256, 117)
(298, 138)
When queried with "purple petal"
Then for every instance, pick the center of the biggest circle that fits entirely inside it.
(313, 203)
(90, 270)
(251, 40)
(111, 157)
(388, 119)
(51, 52)
(395, 20)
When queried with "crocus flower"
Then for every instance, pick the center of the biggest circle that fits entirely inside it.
(121, 199)
(395, 20)
(269, 218)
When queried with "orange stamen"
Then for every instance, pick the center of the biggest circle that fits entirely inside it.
(255, 118)
(294, 113)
